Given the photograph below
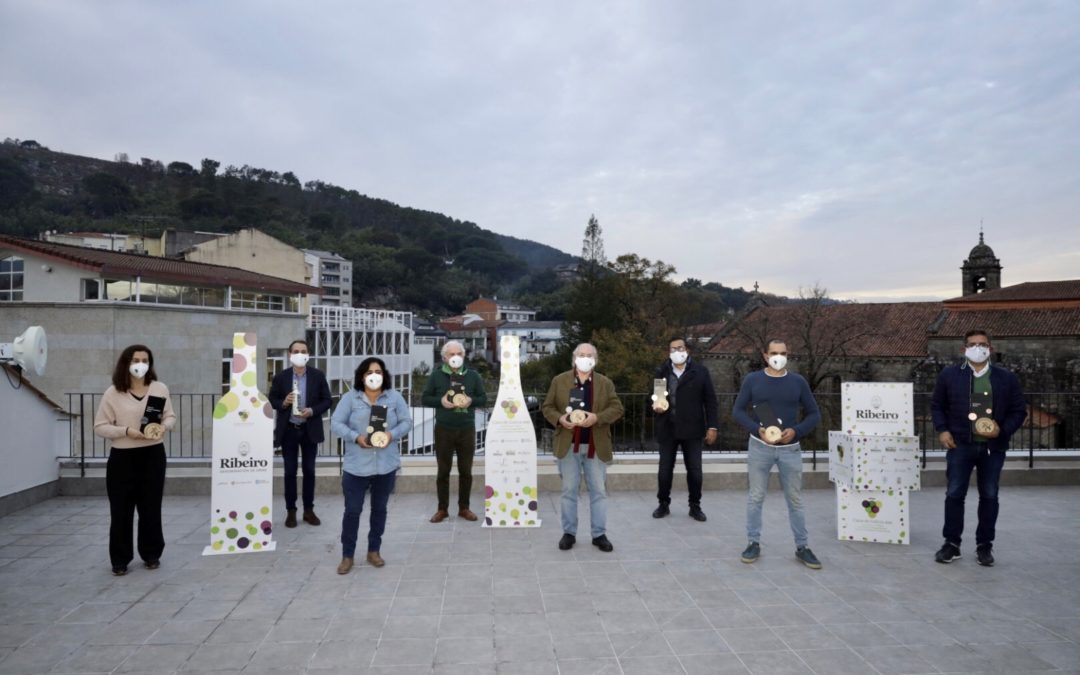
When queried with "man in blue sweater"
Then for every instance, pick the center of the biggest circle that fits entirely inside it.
(768, 408)
(976, 408)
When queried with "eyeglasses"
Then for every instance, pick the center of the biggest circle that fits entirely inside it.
(678, 349)
(977, 344)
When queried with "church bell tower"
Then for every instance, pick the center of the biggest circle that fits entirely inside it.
(982, 270)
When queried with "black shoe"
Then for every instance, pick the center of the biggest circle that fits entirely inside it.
(661, 511)
(807, 557)
(567, 542)
(152, 564)
(984, 555)
(947, 553)
(752, 552)
(119, 570)
(290, 519)
(697, 514)
(603, 544)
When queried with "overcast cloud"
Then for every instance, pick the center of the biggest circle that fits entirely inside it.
(855, 144)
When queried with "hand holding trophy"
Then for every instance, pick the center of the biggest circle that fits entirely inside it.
(376, 429)
(576, 408)
(773, 425)
(659, 396)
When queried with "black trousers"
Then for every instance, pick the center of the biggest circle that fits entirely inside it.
(691, 449)
(294, 445)
(450, 442)
(135, 480)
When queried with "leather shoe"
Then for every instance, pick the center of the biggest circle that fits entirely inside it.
(467, 515)
(290, 519)
(345, 565)
(440, 516)
(152, 564)
(374, 559)
(661, 511)
(310, 518)
(603, 544)
(567, 542)
(697, 514)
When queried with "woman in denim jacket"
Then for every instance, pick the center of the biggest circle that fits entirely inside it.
(366, 465)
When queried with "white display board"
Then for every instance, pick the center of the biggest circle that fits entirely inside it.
(875, 462)
(877, 408)
(879, 516)
(510, 495)
(242, 472)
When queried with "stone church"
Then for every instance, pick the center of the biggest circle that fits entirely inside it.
(1034, 327)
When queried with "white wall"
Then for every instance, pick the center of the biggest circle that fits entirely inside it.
(34, 436)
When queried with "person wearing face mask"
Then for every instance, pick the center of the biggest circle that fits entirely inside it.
(584, 445)
(768, 408)
(301, 396)
(368, 465)
(455, 426)
(135, 473)
(690, 416)
(976, 408)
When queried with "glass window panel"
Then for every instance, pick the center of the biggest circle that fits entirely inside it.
(16, 264)
(213, 297)
(5, 265)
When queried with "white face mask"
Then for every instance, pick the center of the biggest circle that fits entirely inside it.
(778, 361)
(678, 358)
(373, 381)
(585, 364)
(456, 361)
(139, 369)
(977, 354)
(299, 359)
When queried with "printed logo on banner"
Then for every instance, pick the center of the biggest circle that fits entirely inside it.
(879, 516)
(878, 408)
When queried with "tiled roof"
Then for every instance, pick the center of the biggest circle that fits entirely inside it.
(1056, 322)
(153, 268)
(1068, 289)
(858, 330)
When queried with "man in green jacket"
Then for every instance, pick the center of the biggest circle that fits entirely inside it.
(582, 405)
(455, 392)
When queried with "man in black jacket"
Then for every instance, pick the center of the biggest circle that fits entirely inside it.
(686, 417)
(299, 428)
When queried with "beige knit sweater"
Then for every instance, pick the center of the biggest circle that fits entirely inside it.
(120, 410)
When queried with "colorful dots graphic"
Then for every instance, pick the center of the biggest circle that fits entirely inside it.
(532, 506)
(232, 514)
(248, 378)
(231, 533)
(250, 338)
(217, 545)
(267, 528)
(215, 529)
(238, 341)
(264, 510)
(268, 411)
(243, 542)
(239, 363)
(489, 492)
(249, 515)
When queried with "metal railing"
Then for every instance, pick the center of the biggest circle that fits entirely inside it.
(1055, 425)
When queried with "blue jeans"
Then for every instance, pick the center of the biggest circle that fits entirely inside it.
(570, 468)
(354, 488)
(760, 458)
(959, 463)
(294, 442)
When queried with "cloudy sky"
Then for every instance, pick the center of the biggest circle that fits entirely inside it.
(853, 144)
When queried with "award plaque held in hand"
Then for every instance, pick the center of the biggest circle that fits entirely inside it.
(456, 393)
(576, 408)
(768, 419)
(980, 413)
(377, 435)
(150, 424)
(659, 395)
(296, 398)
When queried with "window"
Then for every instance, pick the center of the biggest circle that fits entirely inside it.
(11, 279)
(91, 289)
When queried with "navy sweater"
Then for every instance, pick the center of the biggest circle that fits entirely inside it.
(784, 394)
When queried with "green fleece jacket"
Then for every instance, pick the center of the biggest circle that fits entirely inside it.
(455, 418)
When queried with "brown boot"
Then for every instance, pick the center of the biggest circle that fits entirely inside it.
(290, 519)
(310, 518)
(344, 566)
(374, 559)
(466, 514)
(440, 516)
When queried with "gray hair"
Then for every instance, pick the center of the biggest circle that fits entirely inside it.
(596, 352)
(451, 344)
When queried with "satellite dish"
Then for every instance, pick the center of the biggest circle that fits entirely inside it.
(29, 351)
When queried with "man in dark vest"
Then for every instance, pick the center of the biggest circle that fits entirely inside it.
(685, 416)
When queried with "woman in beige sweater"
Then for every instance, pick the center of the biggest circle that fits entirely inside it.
(134, 414)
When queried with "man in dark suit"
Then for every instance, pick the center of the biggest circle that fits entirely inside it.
(298, 428)
(687, 416)
(976, 407)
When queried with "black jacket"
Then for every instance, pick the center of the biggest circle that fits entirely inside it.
(695, 404)
(318, 399)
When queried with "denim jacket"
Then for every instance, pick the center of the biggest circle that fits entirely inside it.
(350, 419)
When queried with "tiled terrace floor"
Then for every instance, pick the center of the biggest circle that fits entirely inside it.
(457, 598)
